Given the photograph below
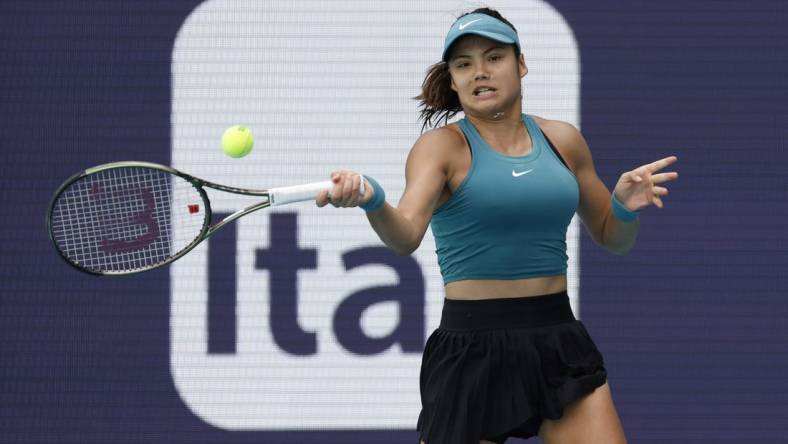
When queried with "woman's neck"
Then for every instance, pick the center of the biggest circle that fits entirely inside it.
(506, 133)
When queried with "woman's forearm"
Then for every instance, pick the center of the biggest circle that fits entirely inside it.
(394, 229)
(619, 237)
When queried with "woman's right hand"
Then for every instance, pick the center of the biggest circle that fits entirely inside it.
(345, 193)
(402, 227)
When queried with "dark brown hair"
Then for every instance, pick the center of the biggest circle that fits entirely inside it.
(437, 100)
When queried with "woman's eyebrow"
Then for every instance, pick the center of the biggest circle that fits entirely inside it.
(494, 47)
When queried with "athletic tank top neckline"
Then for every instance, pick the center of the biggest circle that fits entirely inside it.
(479, 141)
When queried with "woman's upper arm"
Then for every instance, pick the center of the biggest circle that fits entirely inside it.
(594, 195)
(426, 173)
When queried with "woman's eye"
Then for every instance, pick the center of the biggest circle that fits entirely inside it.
(495, 58)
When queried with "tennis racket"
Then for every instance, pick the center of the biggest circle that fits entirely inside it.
(128, 217)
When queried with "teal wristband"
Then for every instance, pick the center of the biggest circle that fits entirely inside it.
(378, 198)
(621, 212)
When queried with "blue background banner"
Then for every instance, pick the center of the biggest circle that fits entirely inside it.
(692, 323)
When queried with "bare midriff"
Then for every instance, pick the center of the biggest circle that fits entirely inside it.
(494, 289)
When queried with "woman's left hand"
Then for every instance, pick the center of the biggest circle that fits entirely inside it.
(637, 189)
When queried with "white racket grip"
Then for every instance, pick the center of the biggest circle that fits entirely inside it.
(301, 193)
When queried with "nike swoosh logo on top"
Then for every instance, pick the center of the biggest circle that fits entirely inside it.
(520, 174)
(464, 25)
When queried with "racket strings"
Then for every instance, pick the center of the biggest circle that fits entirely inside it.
(126, 218)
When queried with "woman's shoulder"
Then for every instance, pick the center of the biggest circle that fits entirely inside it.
(559, 127)
(450, 133)
(435, 150)
(444, 139)
(562, 134)
(566, 137)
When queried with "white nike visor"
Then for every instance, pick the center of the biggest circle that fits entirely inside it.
(483, 25)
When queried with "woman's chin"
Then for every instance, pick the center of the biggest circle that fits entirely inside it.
(488, 109)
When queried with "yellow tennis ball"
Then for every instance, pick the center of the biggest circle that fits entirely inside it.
(237, 141)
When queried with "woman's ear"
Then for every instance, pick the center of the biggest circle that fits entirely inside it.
(522, 67)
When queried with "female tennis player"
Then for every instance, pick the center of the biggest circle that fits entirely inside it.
(499, 189)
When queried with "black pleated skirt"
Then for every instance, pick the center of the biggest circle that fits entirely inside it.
(495, 368)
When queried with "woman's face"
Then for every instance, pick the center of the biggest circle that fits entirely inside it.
(485, 74)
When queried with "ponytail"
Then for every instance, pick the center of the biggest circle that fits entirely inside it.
(438, 100)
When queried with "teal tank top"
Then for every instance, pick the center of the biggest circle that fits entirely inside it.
(509, 216)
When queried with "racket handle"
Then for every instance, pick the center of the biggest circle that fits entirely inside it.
(301, 193)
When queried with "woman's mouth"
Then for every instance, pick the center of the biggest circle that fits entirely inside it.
(484, 91)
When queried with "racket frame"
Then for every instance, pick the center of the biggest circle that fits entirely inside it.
(206, 231)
